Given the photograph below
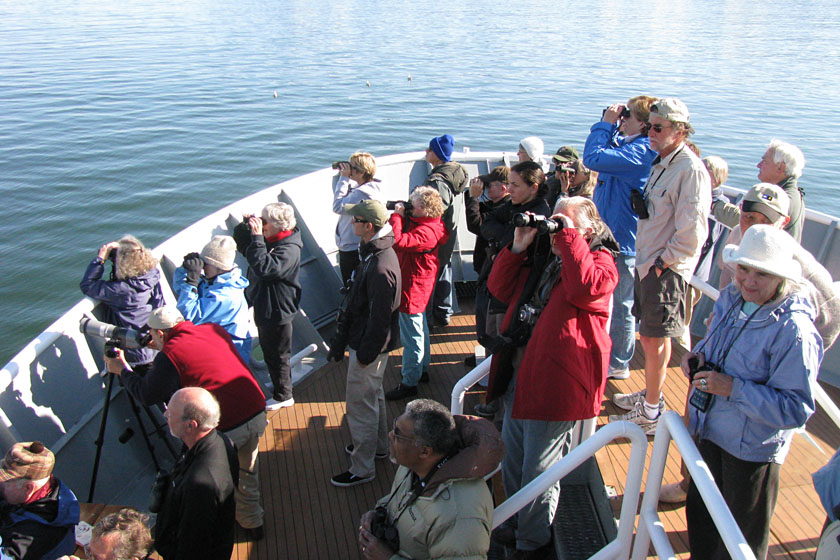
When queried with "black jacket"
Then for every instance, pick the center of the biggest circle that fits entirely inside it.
(476, 212)
(196, 520)
(274, 289)
(497, 227)
(374, 303)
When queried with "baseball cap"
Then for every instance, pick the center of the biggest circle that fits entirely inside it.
(500, 173)
(672, 109)
(566, 154)
(370, 210)
(767, 199)
(165, 317)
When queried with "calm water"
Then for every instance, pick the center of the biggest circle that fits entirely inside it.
(143, 116)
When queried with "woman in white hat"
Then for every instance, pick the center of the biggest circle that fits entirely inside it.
(751, 387)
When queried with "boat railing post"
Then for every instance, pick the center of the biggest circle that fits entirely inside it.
(465, 383)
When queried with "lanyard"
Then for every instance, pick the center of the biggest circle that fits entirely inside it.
(732, 312)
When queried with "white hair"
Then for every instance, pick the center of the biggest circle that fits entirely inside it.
(280, 215)
(790, 155)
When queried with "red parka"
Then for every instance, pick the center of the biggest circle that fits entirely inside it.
(564, 369)
(416, 242)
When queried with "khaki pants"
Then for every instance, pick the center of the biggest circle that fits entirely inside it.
(366, 415)
(246, 438)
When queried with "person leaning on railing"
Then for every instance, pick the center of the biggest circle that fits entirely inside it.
(752, 385)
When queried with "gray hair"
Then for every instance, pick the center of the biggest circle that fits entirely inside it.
(584, 213)
(133, 258)
(200, 405)
(790, 155)
(717, 167)
(434, 426)
(133, 539)
(280, 215)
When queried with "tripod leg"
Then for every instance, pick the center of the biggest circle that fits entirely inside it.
(160, 433)
(100, 439)
(136, 410)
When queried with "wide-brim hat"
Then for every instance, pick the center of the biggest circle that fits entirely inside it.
(767, 249)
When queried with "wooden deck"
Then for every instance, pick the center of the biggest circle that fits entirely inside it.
(307, 517)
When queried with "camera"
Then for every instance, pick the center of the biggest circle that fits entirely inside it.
(528, 314)
(337, 164)
(118, 337)
(639, 204)
(159, 490)
(700, 400)
(541, 223)
(383, 529)
(392, 205)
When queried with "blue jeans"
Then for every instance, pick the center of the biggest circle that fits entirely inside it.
(414, 333)
(623, 323)
(443, 302)
(531, 448)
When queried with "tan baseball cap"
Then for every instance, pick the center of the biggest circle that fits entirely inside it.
(767, 199)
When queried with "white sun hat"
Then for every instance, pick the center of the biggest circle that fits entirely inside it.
(767, 249)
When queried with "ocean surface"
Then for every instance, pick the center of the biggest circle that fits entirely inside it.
(143, 116)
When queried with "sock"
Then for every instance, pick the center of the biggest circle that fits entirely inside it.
(651, 410)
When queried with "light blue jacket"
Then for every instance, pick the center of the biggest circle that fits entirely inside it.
(774, 364)
(222, 302)
(346, 191)
(622, 166)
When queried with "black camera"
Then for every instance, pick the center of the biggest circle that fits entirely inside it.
(541, 223)
(118, 337)
(639, 204)
(392, 205)
(528, 314)
(383, 529)
(337, 164)
(159, 490)
(700, 400)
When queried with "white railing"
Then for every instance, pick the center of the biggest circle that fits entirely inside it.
(651, 529)
(619, 548)
(465, 384)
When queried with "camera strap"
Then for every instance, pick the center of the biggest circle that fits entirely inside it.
(417, 488)
(731, 314)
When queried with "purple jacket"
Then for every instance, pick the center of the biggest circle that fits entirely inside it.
(128, 303)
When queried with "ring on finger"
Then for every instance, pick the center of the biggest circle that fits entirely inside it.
(703, 382)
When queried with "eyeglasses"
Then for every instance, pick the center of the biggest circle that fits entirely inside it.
(356, 168)
(358, 220)
(396, 432)
(657, 128)
(264, 221)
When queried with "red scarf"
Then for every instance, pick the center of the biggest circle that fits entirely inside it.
(277, 237)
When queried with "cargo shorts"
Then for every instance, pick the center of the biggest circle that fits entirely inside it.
(659, 303)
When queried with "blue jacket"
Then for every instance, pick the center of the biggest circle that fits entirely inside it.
(43, 529)
(774, 363)
(128, 303)
(827, 485)
(221, 302)
(621, 166)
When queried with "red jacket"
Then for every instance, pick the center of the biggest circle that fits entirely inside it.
(564, 369)
(204, 356)
(416, 241)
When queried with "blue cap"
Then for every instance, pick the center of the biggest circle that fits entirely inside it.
(442, 146)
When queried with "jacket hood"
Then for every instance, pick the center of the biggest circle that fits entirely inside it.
(383, 239)
(454, 173)
(144, 282)
(232, 278)
(481, 452)
(605, 241)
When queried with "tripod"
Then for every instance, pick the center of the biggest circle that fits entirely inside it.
(135, 408)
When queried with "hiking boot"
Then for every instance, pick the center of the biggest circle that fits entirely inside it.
(637, 416)
(401, 392)
(488, 410)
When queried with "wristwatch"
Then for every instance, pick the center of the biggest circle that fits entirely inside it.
(658, 263)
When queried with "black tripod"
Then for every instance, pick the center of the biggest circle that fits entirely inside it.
(135, 408)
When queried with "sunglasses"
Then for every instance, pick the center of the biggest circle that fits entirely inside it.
(397, 432)
(659, 128)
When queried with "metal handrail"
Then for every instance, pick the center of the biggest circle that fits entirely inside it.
(465, 383)
(671, 427)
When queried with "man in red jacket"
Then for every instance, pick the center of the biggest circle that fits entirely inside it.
(554, 369)
(418, 236)
(204, 356)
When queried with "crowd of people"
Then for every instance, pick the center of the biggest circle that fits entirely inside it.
(570, 259)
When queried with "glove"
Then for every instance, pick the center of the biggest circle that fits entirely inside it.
(193, 265)
(336, 353)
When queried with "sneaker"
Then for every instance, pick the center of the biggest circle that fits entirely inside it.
(274, 404)
(424, 377)
(637, 416)
(347, 479)
(673, 493)
(401, 392)
(349, 450)
(628, 401)
(618, 373)
(488, 410)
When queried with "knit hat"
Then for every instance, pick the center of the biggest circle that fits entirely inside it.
(566, 154)
(442, 146)
(534, 147)
(765, 248)
(165, 317)
(767, 199)
(371, 211)
(28, 459)
(220, 252)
